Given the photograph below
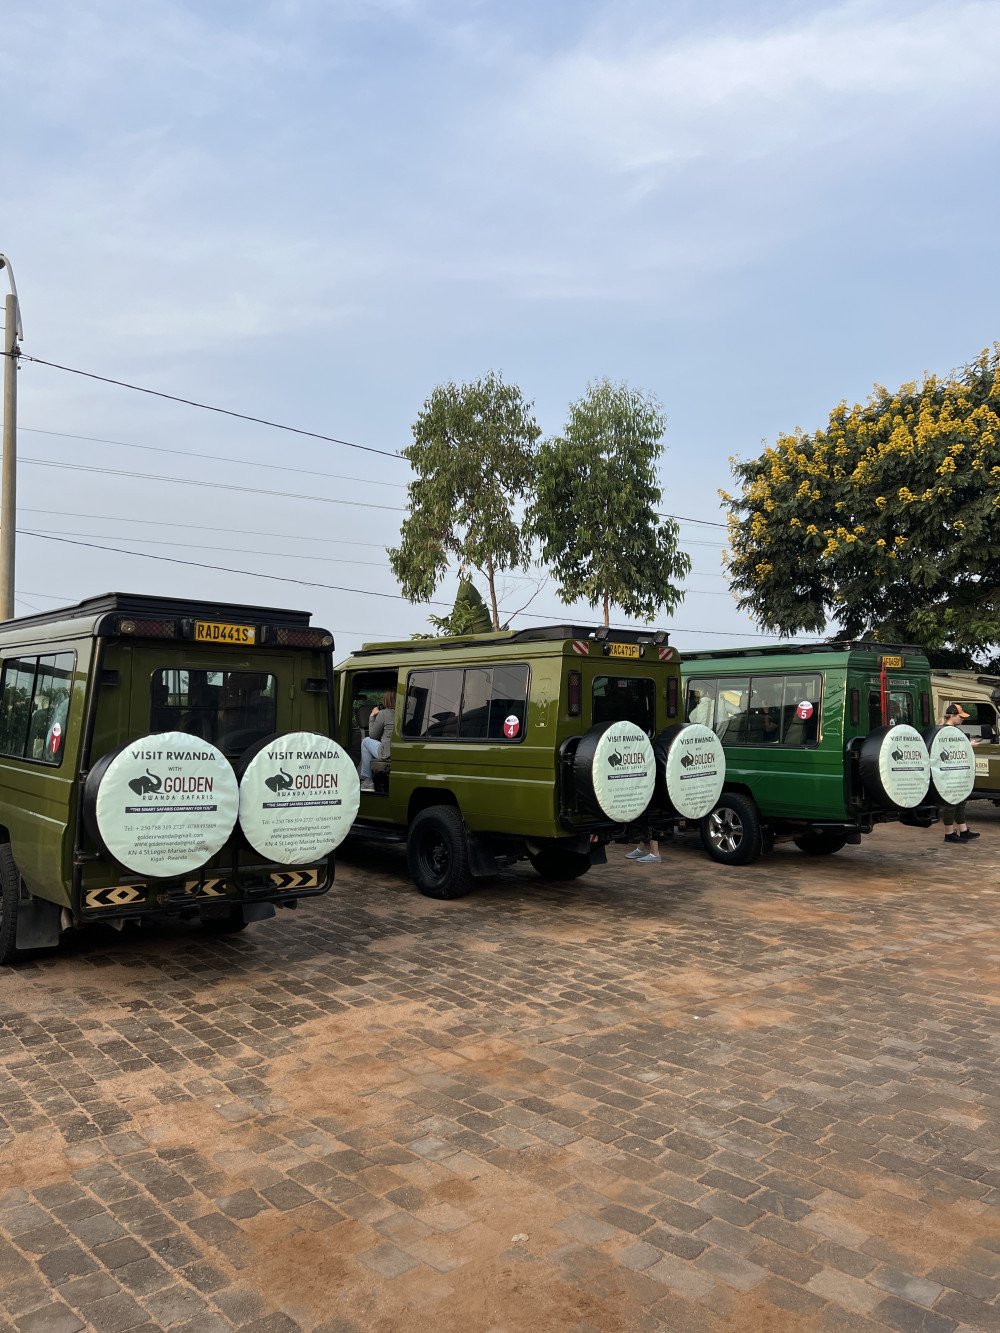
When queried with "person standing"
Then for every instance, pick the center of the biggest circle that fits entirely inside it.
(953, 816)
(377, 744)
(642, 858)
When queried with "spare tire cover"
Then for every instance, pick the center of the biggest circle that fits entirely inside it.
(299, 796)
(953, 764)
(692, 768)
(161, 805)
(614, 771)
(895, 766)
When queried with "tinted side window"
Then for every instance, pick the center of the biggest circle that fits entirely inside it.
(763, 725)
(731, 709)
(34, 706)
(475, 704)
(699, 702)
(801, 709)
(625, 699)
(232, 709)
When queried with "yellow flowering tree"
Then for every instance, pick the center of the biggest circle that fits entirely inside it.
(886, 523)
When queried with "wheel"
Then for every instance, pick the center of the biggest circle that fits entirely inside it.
(436, 853)
(225, 925)
(555, 865)
(820, 844)
(10, 897)
(731, 834)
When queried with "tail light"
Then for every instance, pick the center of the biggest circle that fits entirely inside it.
(855, 707)
(575, 694)
(671, 696)
(925, 709)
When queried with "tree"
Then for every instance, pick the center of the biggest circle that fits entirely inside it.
(469, 614)
(473, 453)
(886, 522)
(595, 505)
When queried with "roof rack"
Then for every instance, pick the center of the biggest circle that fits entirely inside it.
(785, 649)
(536, 634)
(141, 605)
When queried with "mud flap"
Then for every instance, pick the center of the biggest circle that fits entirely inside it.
(598, 854)
(37, 923)
(257, 911)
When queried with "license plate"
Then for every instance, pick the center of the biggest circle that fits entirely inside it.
(982, 768)
(891, 663)
(207, 631)
(624, 650)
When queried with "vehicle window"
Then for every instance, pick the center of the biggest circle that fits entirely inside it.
(479, 703)
(731, 709)
(982, 721)
(801, 709)
(232, 709)
(625, 699)
(900, 707)
(699, 702)
(763, 724)
(34, 707)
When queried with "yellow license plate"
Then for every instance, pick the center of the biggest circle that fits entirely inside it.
(892, 663)
(624, 650)
(207, 631)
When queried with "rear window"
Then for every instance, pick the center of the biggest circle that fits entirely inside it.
(900, 708)
(232, 709)
(487, 703)
(34, 706)
(625, 699)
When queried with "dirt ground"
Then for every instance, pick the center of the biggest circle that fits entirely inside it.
(660, 1097)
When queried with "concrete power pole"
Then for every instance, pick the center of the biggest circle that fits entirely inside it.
(8, 472)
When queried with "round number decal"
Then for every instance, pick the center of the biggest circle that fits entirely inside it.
(511, 726)
(804, 711)
(299, 796)
(162, 805)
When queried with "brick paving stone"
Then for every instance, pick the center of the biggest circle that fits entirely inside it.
(388, 1260)
(50, 1319)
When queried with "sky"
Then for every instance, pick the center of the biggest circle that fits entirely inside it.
(314, 212)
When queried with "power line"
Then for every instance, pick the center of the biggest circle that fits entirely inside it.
(215, 458)
(231, 550)
(207, 407)
(200, 527)
(211, 485)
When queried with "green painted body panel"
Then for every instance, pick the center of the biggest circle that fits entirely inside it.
(39, 804)
(506, 788)
(810, 782)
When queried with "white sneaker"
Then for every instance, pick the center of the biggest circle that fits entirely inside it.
(648, 859)
(367, 784)
(633, 856)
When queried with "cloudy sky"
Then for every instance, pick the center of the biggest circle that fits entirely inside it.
(315, 211)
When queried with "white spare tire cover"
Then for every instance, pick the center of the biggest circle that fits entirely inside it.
(299, 796)
(953, 764)
(693, 768)
(895, 766)
(614, 771)
(161, 805)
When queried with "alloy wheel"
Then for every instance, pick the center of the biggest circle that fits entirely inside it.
(725, 829)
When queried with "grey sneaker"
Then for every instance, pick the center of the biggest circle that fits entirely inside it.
(367, 784)
(633, 856)
(648, 859)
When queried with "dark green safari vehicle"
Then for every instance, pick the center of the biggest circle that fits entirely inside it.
(822, 743)
(540, 743)
(164, 757)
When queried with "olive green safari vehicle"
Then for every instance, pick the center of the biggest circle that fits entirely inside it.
(161, 757)
(822, 743)
(979, 696)
(542, 743)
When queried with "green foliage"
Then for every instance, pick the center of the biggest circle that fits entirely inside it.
(885, 523)
(595, 505)
(473, 453)
(468, 616)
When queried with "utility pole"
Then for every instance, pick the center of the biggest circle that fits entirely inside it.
(8, 471)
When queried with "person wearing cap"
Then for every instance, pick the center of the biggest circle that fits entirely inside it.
(953, 816)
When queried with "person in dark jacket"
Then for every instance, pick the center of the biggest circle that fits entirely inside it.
(376, 745)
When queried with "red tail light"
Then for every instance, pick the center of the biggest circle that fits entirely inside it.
(671, 696)
(575, 694)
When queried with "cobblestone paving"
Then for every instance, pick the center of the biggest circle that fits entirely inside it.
(661, 1097)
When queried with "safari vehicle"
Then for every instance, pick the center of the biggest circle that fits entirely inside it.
(979, 696)
(822, 743)
(541, 743)
(161, 757)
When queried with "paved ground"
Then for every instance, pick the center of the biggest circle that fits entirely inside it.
(661, 1097)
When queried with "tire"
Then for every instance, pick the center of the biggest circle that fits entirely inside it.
(555, 866)
(820, 844)
(225, 925)
(10, 898)
(731, 834)
(437, 853)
